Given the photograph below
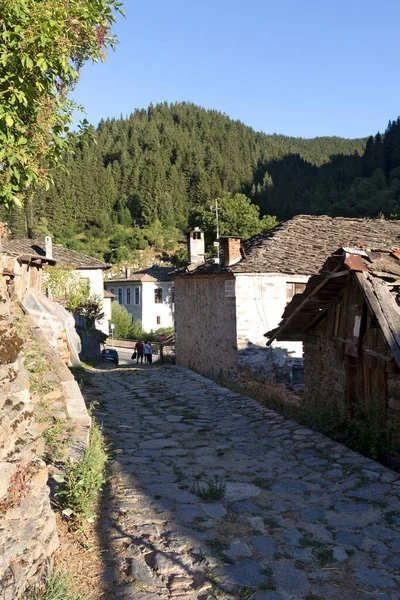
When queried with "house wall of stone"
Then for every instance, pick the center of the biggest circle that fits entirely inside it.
(261, 300)
(324, 373)
(28, 534)
(205, 326)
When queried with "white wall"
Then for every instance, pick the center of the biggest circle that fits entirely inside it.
(96, 281)
(260, 303)
(133, 309)
(147, 311)
(151, 310)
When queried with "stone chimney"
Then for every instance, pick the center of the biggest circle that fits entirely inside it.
(230, 250)
(48, 244)
(196, 251)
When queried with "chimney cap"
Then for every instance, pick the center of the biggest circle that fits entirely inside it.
(227, 237)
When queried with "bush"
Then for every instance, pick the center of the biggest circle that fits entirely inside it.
(84, 479)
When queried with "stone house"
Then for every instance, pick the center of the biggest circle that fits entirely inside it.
(223, 309)
(147, 295)
(348, 319)
(25, 253)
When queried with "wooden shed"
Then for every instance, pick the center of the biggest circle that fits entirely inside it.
(349, 321)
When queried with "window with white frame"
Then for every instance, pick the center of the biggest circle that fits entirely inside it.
(158, 296)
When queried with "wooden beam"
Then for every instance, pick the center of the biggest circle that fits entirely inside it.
(305, 301)
(376, 309)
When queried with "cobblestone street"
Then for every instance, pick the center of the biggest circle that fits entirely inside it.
(214, 496)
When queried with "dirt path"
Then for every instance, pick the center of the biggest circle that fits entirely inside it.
(285, 513)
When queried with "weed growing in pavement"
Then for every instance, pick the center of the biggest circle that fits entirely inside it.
(210, 490)
(219, 548)
(59, 586)
(84, 478)
(244, 593)
(325, 555)
(179, 474)
(263, 482)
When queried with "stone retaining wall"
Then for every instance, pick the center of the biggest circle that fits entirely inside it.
(28, 534)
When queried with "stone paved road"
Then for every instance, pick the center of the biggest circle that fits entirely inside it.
(301, 517)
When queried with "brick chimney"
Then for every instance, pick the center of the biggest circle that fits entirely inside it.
(195, 242)
(230, 250)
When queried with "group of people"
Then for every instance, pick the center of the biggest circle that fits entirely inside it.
(143, 350)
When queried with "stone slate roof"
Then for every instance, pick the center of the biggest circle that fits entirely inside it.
(108, 294)
(300, 246)
(62, 256)
(152, 274)
(378, 275)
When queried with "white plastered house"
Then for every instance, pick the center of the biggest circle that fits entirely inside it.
(147, 295)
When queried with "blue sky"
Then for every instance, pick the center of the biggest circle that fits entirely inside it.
(298, 67)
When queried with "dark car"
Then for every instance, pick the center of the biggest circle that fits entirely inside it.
(111, 355)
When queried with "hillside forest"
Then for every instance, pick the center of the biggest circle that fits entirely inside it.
(140, 182)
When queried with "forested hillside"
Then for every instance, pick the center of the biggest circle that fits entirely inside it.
(140, 179)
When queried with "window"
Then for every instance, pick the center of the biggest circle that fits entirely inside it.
(128, 295)
(292, 289)
(112, 290)
(158, 320)
(137, 295)
(158, 296)
(120, 295)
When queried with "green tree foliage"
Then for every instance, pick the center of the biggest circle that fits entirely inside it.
(236, 216)
(151, 169)
(69, 289)
(147, 176)
(122, 321)
(43, 45)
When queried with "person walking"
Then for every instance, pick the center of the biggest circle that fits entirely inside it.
(139, 348)
(148, 351)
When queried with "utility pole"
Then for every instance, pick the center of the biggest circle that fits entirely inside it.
(216, 215)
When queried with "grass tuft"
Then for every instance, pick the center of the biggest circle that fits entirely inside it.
(210, 490)
(59, 586)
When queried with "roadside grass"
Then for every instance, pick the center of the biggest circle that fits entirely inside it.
(83, 479)
(59, 586)
(219, 548)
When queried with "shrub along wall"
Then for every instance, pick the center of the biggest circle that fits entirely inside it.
(28, 534)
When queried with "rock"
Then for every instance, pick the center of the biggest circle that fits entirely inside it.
(52, 396)
(215, 511)
(264, 546)
(374, 578)
(238, 549)
(349, 539)
(373, 491)
(7, 470)
(292, 537)
(246, 573)
(240, 491)
(155, 444)
(289, 487)
(141, 572)
(167, 563)
(267, 596)
(289, 579)
(339, 554)
(379, 532)
(313, 514)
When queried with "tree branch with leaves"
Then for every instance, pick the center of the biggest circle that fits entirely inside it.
(43, 45)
